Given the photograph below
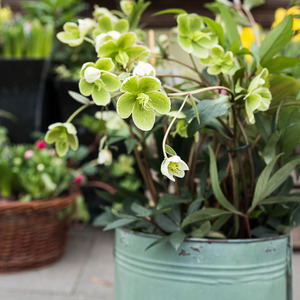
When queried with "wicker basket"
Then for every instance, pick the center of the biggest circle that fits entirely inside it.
(33, 234)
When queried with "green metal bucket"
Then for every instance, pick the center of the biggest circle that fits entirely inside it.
(202, 269)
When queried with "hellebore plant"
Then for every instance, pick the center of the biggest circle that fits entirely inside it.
(214, 148)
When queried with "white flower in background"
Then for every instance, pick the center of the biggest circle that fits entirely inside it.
(103, 37)
(91, 74)
(85, 26)
(112, 120)
(104, 157)
(173, 166)
(144, 69)
(126, 6)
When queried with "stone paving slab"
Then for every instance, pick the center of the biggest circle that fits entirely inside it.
(85, 272)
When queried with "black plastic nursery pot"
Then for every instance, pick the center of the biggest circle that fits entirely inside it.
(22, 85)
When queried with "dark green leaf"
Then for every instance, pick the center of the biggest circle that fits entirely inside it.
(165, 223)
(171, 199)
(195, 205)
(276, 39)
(202, 231)
(269, 151)
(160, 240)
(280, 176)
(204, 215)
(118, 223)
(282, 87)
(140, 210)
(262, 232)
(262, 182)
(176, 239)
(130, 144)
(217, 225)
(279, 64)
(217, 28)
(216, 185)
(207, 110)
(231, 27)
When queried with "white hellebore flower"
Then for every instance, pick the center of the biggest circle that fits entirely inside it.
(91, 74)
(104, 157)
(173, 166)
(101, 38)
(85, 25)
(144, 69)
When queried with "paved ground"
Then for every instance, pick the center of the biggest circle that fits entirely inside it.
(85, 272)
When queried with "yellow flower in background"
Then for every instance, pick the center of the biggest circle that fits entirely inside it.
(5, 14)
(281, 13)
(247, 37)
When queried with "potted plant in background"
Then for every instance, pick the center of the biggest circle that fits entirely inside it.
(215, 151)
(37, 201)
(25, 49)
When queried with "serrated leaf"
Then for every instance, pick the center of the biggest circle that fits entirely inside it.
(216, 185)
(276, 39)
(204, 215)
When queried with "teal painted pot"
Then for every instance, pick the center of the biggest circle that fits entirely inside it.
(202, 269)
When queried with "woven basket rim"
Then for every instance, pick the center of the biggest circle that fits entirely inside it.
(60, 201)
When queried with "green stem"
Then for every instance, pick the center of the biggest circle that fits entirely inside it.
(75, 113)
(210, 88)
(171, 124)
(89, 40)
(179, 76)
(202, 78)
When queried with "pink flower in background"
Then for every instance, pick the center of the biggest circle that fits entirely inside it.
(40, 145)
(28, 154)
(78, 179)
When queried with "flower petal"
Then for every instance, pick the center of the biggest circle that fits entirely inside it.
(100, 96)
(125, 105)
(148, 84)
(107, 49)
(126, 40)
(105, 64)
(85, 87)
(142, 118)
(122, 26)
(185, 43)
(111, 81)
(130, 85)
(105, 24)
(137, 52)
(160, 102)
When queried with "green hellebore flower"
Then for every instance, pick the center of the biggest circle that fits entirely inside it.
(192, 37)
(142, 99)
(107, 24)
(122, 49)
(74, 34)
(218, 61)
(96, 80)
(258, 97)
(173, 166)
(63, 135)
